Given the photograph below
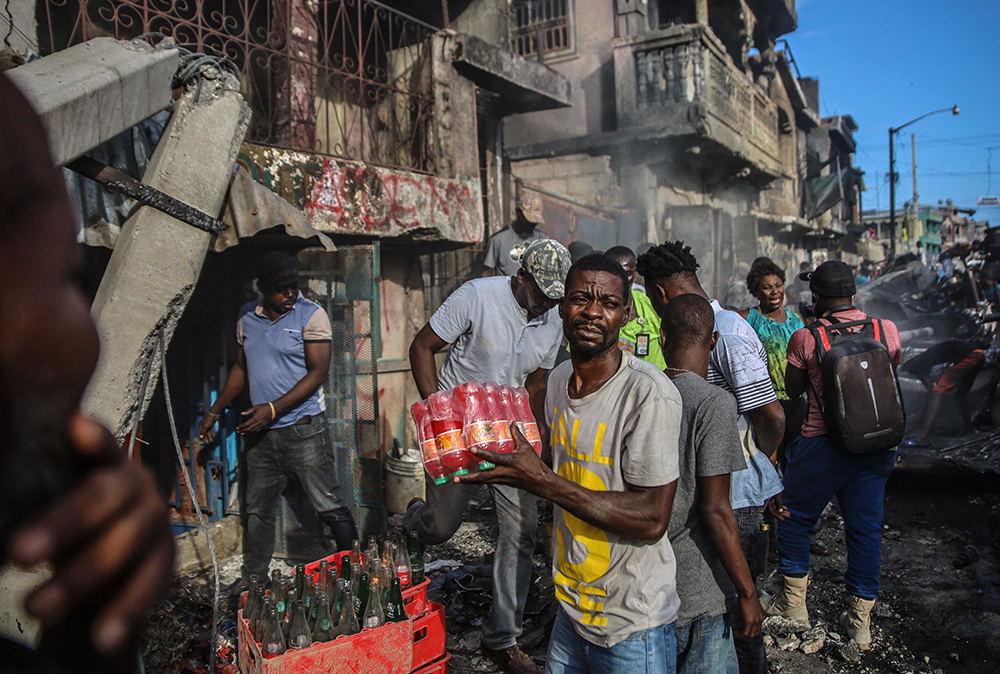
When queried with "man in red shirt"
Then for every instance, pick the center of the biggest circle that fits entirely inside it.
(818, 470)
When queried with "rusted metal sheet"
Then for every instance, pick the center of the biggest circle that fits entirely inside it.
(363, 200)
(252, 208)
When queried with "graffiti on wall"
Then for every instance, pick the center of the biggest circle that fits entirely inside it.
(364, 200)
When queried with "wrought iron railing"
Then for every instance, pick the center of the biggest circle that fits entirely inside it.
(346, 78)
(686, 64)
(544, 23)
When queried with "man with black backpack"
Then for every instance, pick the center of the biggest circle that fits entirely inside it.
(847, 447)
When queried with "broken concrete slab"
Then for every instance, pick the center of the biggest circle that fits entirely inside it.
(157, 260)
(93, 91)
(193, 555)
(523, 85)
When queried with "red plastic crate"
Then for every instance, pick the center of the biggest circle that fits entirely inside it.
(414, 598)
(383, 650)
(428, 636)
(439, 666)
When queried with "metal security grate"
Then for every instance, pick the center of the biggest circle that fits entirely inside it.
(541, 21)
(346, 284)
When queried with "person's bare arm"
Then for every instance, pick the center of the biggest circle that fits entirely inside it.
(536, 385)
(795, 381)
(235, 383)
(769, 427)
(422, 350)
(717, 512)
(109, 542)
(639, 514)
(317, 369)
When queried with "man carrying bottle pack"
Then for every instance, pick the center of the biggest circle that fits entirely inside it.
(501, 329)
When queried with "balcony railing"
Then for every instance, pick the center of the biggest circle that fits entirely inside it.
(345, 78)
(662, 74)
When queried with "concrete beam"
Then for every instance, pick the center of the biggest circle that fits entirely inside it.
(93, 91)
(157, 260)
(523, 85)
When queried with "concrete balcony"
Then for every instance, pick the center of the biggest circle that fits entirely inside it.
(679, 83)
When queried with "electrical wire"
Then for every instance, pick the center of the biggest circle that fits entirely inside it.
(213, 646)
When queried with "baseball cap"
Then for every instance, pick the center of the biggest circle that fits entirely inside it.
(548, 262)
(833, 278)
(530, 206)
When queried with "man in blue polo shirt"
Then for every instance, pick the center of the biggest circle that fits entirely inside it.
(284, 354)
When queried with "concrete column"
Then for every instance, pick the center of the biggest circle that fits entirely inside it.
(91, 92)
(157, 259)
(701, 12)
(304, 36)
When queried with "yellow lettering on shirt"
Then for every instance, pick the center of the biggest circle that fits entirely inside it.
(598, 441)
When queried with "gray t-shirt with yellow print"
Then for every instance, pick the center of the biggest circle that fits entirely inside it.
(625, 433)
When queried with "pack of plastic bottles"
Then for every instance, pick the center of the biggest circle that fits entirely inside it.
(472, 414)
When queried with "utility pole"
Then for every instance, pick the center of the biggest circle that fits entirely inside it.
(892, 168)
(915, 229)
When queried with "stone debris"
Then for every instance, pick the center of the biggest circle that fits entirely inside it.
(777, 625)
(849, 653)
(787, 643)
(811, 646)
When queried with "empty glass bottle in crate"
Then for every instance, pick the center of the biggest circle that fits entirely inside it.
(347, 623)
(323, 629)
(395, 612)
(299, 635)
(272, 641)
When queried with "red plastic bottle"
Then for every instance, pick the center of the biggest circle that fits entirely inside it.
(478, 430)
(428, 443)
(500, 417)
(447, 424)
(529, 426)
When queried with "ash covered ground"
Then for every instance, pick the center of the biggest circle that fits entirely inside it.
(931, 617)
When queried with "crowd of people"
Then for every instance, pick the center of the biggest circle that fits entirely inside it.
(678, 433)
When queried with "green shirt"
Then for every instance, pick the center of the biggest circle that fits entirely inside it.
(641, 336)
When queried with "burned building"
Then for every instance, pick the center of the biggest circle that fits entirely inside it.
(688, 121)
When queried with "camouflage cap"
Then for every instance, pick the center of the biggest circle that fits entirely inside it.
(548, 262)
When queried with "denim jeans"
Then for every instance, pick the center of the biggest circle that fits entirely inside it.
(817, 471)
(706, 646)
(652, 651)
(303, 453)
(517, 517)
(751, 653)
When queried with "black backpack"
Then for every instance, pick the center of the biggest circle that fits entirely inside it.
(862, 403)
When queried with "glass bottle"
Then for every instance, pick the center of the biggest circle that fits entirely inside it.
(253, 595)
(321, 579)
(323, 629)
(286, 618)
(272, 641)
(355, 552)
(395, 612)
(416, 559)
(300, 574)
(361, 598)
(401, 564)
(280, 604)
(275, 582)
(347, 623)
(259, 614)
(374, 615)
(299, 635)
(307, 594)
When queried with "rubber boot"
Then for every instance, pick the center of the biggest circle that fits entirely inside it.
(790, 600)
(856, 621)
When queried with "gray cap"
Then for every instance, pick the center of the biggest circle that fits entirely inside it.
(548, 262)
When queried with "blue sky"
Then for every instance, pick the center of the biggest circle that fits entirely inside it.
(888, 61)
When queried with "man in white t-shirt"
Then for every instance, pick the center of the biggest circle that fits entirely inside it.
(615, 422)
(738, 364)
(502, 329)
(506, 246)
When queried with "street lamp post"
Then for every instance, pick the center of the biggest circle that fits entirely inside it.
(892, 167)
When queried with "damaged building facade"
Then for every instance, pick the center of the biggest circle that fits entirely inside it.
(688, 121)
(370, 146)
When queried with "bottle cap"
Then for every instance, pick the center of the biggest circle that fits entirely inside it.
(440, 480)
(460, 471)
(486, 465)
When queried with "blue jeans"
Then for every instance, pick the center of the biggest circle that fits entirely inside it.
(438, 519)
(751, 653)
(652, 651)
(303, 453)
(817, 471)
(706, 646)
